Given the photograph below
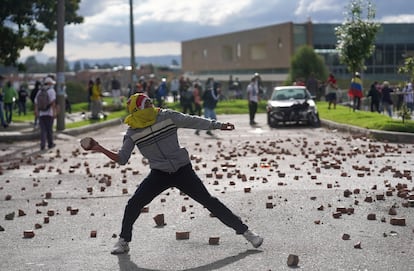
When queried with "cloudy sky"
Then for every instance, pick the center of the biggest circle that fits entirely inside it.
(161, 25)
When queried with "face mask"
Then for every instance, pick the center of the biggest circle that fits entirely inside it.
(142, 118)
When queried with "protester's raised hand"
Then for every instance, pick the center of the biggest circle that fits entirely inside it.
(88, 143)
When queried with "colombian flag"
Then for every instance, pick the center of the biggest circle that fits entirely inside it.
(356, 88)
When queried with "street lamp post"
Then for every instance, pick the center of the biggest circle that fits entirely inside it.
(60, 66)
(132, 39)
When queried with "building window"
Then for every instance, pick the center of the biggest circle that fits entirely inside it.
(227, 53)
(279, 43)
(379, 55)
(238, 50)
(389, 54)
(205, 55)
(258, 51)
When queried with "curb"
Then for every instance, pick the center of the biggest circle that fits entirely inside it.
(395, 137)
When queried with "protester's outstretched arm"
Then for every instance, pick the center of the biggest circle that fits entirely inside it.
(95, 146)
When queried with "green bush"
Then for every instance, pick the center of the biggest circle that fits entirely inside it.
(77, 92)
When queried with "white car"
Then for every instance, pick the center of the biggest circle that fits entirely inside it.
(292, 104)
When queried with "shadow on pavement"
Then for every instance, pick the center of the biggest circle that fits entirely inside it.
(125, 263)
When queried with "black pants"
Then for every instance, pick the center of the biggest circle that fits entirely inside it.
(252, 110)
(188, 182)
(46, 131)
(375, 106)
(187, 108)
(357, 103)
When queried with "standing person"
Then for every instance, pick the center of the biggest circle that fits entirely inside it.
(253, 98)
(409, 96)
(386, 98)
(22, 94)
(45, 109)
(96, 99)
(355, 91)
(150, 88)
(197, 93)
(330, 91)
(10, 96)
(116, 92)
(182, 85)
(400, 98)
(174, 87)
(210, 98)
(259, 84)
(312, 84)
(3, 121)
(161, 92)
(90, 88)
(68, 106)
(187, 99)
(239, 88)
(375, 95)
(143, 85)
(154, 132)
(197, 98)
(33, 94)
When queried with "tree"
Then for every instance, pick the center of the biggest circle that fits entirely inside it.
(305, 62)
(174, 62)
(27, 23)
(356, 36)
(408, 68)
(32, 65)
(77, 66)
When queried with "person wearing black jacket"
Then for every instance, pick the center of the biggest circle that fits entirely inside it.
(210, 99)
(375, 97)
(386, 98)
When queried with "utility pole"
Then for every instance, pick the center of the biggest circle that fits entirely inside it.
(60, 66)
(132, 38)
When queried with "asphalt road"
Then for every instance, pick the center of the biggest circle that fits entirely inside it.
(296, 175)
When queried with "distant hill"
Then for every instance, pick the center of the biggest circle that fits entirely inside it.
(166, 60)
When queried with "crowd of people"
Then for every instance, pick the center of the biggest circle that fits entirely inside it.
(381, 97)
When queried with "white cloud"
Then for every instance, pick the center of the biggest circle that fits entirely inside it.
(403, 18)
(205, 12)
(96, 50)
(161, 25)
(308, 7)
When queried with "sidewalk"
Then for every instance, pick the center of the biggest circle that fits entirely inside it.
(22, 131)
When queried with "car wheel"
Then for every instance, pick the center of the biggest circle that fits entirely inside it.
(313, 119)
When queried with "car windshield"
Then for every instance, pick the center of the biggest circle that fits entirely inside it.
(288, 94)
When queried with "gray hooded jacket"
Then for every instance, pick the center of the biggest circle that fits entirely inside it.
(159, 142)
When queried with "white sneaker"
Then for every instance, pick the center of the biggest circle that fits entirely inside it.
(253, 238)
(120, 247)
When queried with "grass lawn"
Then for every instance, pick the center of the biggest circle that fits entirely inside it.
(369, 120)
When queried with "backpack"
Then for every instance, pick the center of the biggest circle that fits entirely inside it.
(43, 103)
